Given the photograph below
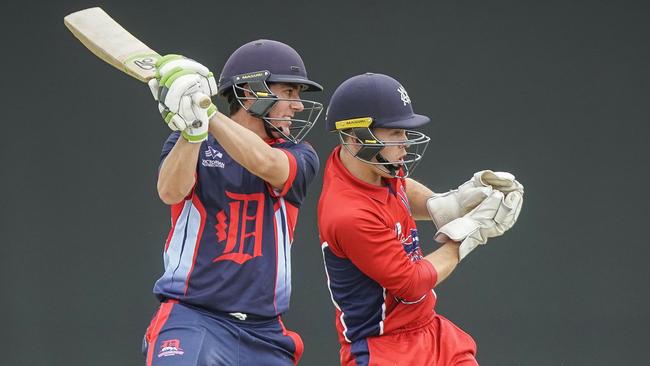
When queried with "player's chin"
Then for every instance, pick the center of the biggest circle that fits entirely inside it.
(284, 130)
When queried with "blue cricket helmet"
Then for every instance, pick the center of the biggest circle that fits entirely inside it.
(368, 101)
(250, 69)
(376, 96)
(282, 62)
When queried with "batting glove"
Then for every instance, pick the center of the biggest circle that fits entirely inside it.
(445, 207)
(181, 87)
(169, 65)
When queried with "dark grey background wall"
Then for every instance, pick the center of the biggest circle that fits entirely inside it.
(555, 91)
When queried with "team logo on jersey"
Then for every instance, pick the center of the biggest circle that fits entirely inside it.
(171, 347)
(410, 242)
(212, 155)
(403, 95)
(211, 152)
(240, 227)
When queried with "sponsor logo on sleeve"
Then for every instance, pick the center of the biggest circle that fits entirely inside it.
(170, 347)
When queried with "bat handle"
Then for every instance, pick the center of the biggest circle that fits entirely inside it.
(202, 100)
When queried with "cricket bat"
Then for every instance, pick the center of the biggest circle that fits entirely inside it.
(104, 37)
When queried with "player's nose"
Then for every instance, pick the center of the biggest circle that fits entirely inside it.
(297, 105)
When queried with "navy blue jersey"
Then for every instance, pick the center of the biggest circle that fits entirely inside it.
(228, 249)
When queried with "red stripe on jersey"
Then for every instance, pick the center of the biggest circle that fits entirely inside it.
(276, 207)
(339, 326)
(155, 326)
(293, 169)
(199, 206)
(297, 341)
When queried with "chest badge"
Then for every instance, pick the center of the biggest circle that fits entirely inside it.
(212, 157)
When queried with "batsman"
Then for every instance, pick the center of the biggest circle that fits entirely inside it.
(235, 185)
(381, 283)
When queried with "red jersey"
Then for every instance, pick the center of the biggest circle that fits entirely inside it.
(369, 240)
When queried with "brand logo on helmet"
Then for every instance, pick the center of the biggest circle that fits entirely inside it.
(353, 123)
(404, 95)
(251, 75)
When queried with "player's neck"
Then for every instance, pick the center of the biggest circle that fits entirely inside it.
(252, 123)
(360, 170)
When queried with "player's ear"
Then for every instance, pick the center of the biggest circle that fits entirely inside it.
(245, 90)
(353, 138)
(247, 94)
(349, 137)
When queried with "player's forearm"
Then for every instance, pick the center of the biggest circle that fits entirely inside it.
(177, 172)
(444, 260)
(418, 195)
(249, 150)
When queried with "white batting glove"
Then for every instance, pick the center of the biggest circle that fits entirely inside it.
(445, 207)
(169, 65)
(180, 86)
(192, 119)
(491, 218)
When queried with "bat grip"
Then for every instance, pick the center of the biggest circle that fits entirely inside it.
(202, 100)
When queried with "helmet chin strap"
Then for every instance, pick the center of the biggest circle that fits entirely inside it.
(392, 169)
(267, 128)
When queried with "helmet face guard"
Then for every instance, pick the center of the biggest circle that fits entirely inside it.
(370, 147)
(263, 101)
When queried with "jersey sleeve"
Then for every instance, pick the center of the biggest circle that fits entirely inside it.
(303, 167)
(374, 249)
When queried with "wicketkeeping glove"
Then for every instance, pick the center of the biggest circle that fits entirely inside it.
(502, 181)
(491, 218)
(445, 207)
(181, 86)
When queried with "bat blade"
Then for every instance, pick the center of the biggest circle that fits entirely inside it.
(115, 45)
(110, 42)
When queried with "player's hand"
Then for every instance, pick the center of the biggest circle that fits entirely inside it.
(445, 207)
(192, 119)
(179, 86)
(170, 65)
(491, 218)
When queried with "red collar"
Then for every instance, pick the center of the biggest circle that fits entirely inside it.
(273, 141)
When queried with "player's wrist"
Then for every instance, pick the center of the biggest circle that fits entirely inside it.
(194, 139)
(453, 250)
(197, 131)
